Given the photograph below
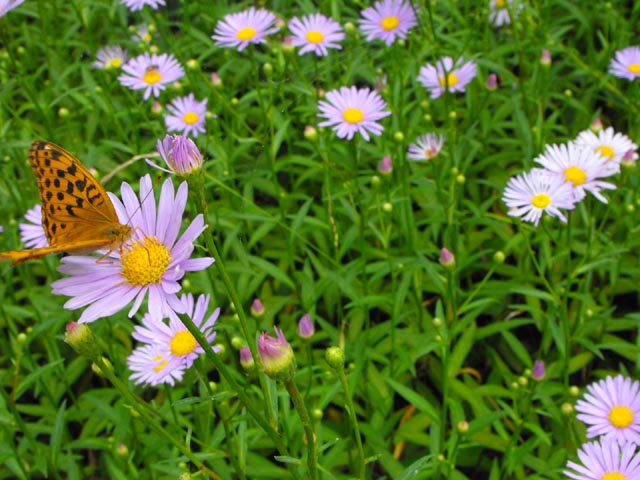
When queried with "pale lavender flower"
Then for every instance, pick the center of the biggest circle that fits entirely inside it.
(445, 75)
(110, 57)
(6, 5)
(142, 33)
(538, 373)
(152, 261)
(611, 409)
(316, 33)
(149, 366)
(150, 72)
(179, 153)
(579, 167)
(305, 327)
(351, 110)
(609, 144)
(244, 28)
(134, 5)
(186, 115)
(605, 459)
(426, 147)
(31, 232)
(276, 355)
(531, 194)
(626, 63)
(387, 20)
(499, 12)
(246, 359)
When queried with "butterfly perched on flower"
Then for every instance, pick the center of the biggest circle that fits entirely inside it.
(77, 214)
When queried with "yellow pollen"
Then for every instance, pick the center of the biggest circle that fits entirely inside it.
(429, 153)
(182, 343)
(390, 23)
(613, 476)
(114, 63)
(152, 76)
(606, 151)
(190, 118)
(620, 416)
(146, 37)
(500, 3)
(247, 33)
(576, 175)
(352, 115)
(541, 200)
(453, 80)
(634, 68)
(160, 366)
(145, 262)
(314, 37)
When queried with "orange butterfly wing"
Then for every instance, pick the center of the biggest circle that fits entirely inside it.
(77, 213)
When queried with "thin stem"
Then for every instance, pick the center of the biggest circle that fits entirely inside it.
(354, 422)
(298, 403)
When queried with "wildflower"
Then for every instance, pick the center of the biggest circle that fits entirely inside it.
(499, 12)
(611, 408)
(445, 75)
(315, 33)
(81, 339)
(276, 356)
(6, 5)
(335, 358)
(447, 259)
(538, 371)
(241, 29)
(629, 158)
(177, 345)
(31, 232)
(609, 144)
(492, 82)
(134, 5)
(545, 58)
(605, 460)
(579, 167)
(216, 81)
(305, 327)
(142, 33)
(385, 166)
(179, 153)
(388, 20)
(426, 147)
(151, 367)
(351, 110)
(186, 115)
(257, 307)
(152, 261)
(246, 359)
(530, 194)
(151, 73)
(596, 126)
(110, 57)
(626, 63)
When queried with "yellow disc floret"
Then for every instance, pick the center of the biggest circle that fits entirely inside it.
(620, 416)
(352, 115)
(190, 118)
(145, 261)
(390, 23)
(183, 343)
(576, 175)
(541, 200)
(247, 33)
(451, 79)
(314, 37)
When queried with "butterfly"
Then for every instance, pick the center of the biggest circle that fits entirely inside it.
(77, 214)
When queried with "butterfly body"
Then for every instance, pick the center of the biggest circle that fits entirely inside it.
(77, 214)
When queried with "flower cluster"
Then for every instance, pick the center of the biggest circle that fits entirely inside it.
(567, 173)
(611, 411)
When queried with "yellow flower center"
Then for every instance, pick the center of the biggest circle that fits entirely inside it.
(613, 476)
(182, 343)
(353, 115)
(541, 200)
(390, 23)
(429, 153)
(114, 63)
(146, 37)
(314, 37)
(452, 80)
(190, 118)
(152, 76)
(500, 3)
(606, 151)
(247, 33)
(145, 262)
(576, 175)
(160, 366)
(634, 68)
(620, 416)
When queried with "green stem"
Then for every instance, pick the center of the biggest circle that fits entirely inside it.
(298, 402)
(354, 422)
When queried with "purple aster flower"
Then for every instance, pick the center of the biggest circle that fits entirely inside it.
(276, 356)
(609, 144)
(388, 20)
(579, 166)
(134, 5)
(626, 63)
(604, 460)
(445, 75)
(611, 408)
(350, 110)
(151, 73)
(142, 33)
(180, 154)
(6, 5)
(530, 194)
(31, 232)
(316, 33)
(241, 29)
(427, 146)
(151, 367)
(110, 57)
(186, 115)
(152, 261)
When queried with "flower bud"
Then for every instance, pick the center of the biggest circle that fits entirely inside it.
(257, 308)
(305, 327)
(310, 133)
(246, 359)
(276, 356)
(216, 81)
(335, 358)
(180, 154)
(545, 58)
(80, 337)
(492, 82)
(385, 166)
(447, 259)
(499, 257)
(538, 371)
